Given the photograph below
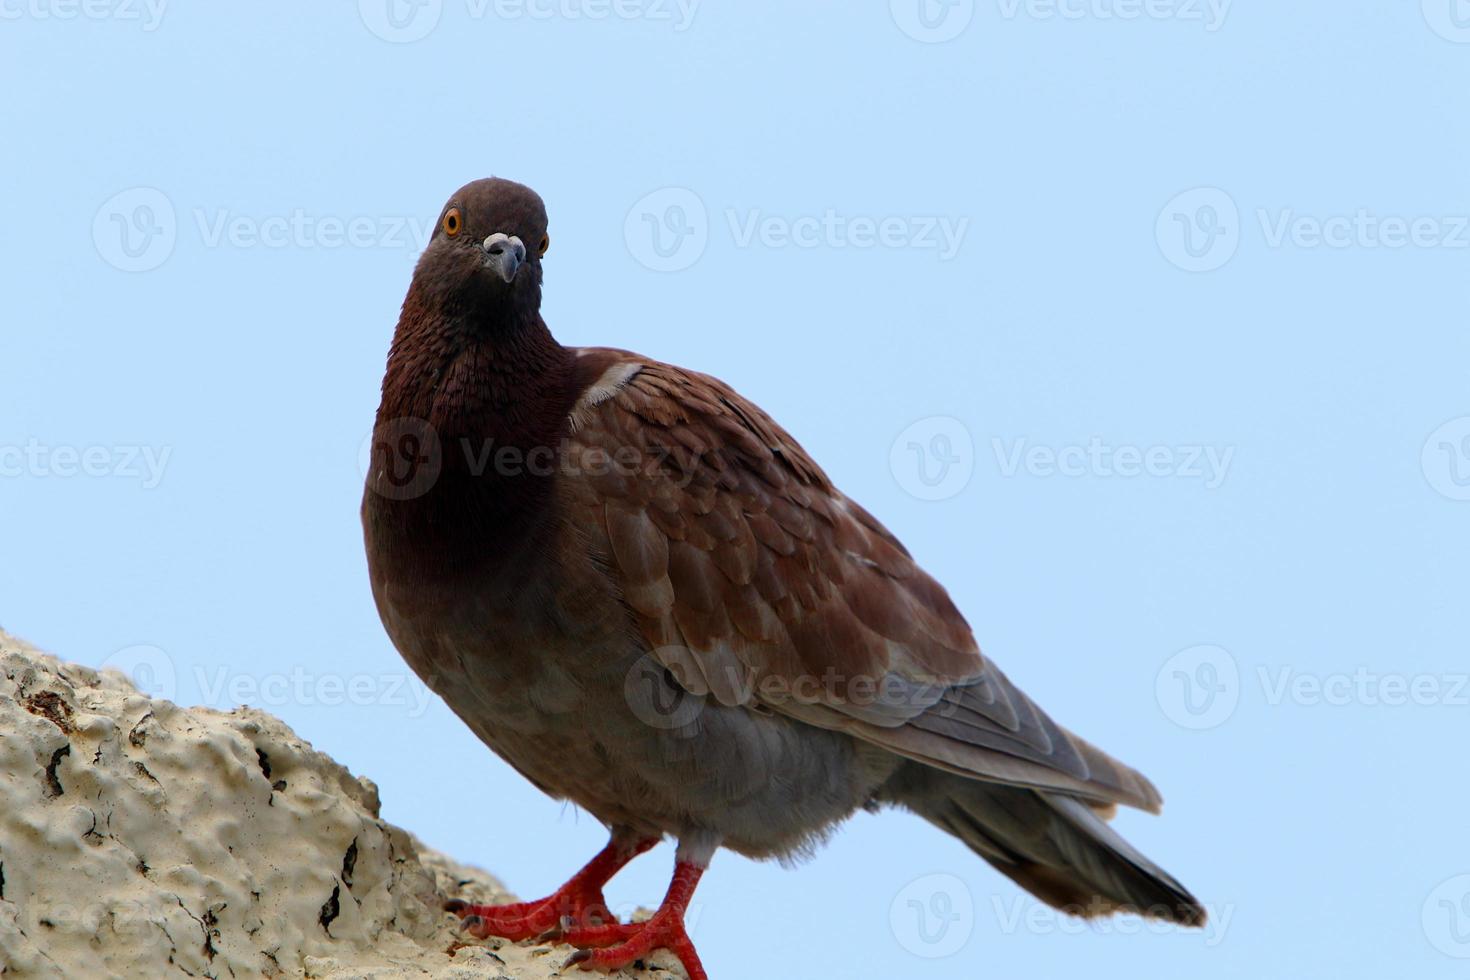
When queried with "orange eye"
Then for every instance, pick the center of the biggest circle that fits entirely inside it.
(453, 222)
(545, 243)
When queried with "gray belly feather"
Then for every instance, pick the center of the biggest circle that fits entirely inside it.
(594, 720)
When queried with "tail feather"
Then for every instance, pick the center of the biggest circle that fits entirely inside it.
(1054, 846)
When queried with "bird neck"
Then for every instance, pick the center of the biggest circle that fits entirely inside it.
(483, 378)
(482, 400)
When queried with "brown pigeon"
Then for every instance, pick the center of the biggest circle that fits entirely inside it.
(639, 591)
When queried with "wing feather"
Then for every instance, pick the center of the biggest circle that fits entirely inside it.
(754, 580)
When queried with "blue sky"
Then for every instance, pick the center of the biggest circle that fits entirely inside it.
(1142, 322)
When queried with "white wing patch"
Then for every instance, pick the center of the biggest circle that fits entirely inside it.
(609, 384)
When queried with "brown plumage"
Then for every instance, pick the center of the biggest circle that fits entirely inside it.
(640, 591)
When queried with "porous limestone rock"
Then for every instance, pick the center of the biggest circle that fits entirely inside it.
(139, 839)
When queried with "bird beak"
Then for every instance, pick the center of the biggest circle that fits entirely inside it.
(505, 254)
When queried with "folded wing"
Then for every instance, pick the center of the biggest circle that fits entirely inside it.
(758, 583)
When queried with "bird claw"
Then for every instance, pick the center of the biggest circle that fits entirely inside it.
(543, 920)
(577, 914)
(578, 902)
(623, 945)
(595, 936)
(559, 931)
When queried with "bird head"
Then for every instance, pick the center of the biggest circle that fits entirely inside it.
(485, 254)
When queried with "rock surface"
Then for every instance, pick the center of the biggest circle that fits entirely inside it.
(139, 839)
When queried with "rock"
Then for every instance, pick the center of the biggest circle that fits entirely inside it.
(139, 839)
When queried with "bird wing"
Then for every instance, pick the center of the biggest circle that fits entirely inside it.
(757, 583)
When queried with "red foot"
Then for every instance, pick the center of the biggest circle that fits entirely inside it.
(579, 900)
(623, 945)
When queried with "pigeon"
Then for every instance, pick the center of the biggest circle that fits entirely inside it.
(640, 592)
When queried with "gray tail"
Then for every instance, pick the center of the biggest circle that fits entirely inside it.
(1054, 846)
